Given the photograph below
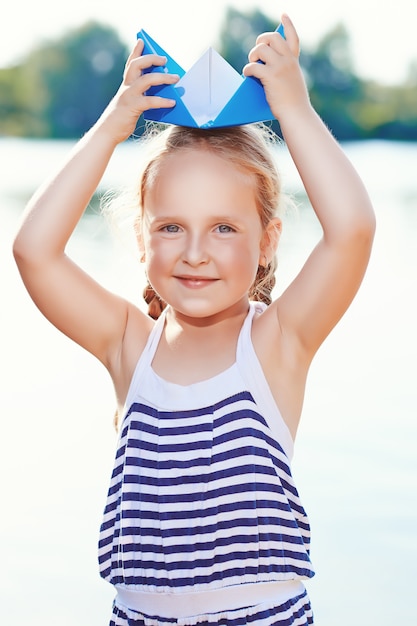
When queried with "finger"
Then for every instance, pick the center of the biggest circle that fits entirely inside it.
(156, 102)
(138, 64)
(265, 51)
(291, 35)
(136, 52)
(149, 60)
(256, 69)
(290, 43)
(137, 49)
(155, 79)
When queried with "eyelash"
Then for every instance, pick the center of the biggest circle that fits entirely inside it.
(229, 228)
(174, 228)
(168, 228)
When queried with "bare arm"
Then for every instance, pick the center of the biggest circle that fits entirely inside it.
(326, 285)
(329, 280)
(69, 298)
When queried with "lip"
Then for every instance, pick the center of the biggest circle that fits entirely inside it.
(196, 282)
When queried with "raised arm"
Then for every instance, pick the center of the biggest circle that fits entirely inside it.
(70, 299)
(326, 285)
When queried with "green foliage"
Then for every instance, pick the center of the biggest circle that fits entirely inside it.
(63, 86)
(334, 88)
(238, 35)
(351, 107)
(12, 104)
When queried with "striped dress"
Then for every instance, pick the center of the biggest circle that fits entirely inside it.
(202, 499)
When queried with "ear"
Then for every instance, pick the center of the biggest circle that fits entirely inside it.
(270, 241)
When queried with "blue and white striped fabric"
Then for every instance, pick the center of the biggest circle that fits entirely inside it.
(201, 495)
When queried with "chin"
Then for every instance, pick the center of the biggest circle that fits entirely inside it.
(205, 310)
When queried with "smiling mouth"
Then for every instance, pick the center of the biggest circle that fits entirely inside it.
(196, 282)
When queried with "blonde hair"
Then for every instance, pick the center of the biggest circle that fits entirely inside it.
(248, 148)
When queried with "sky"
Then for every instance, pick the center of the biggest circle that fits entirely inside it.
(383, 43)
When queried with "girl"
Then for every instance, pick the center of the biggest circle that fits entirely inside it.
(203, 524)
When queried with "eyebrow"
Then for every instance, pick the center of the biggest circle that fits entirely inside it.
(178, 218)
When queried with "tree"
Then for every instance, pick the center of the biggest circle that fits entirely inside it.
(13, 102)
(62, 87)
(328, 70)
(67, 84)
(238, 35)
(334, 89)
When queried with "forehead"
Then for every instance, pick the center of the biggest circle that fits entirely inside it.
(198, 173)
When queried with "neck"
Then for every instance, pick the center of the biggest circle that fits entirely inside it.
(229, 317)
(191, 350)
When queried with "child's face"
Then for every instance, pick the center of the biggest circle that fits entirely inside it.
(201, 234)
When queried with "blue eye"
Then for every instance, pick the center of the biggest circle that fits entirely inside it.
(171, 228)
(224, 228)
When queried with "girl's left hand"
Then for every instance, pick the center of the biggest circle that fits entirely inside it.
(279, 71)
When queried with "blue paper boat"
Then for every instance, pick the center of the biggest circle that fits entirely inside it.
(210, 95)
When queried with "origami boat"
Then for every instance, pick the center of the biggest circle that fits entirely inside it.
(212, 94)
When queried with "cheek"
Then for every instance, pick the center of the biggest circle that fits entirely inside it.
(158, 261)
(154, 259)
(244, 258)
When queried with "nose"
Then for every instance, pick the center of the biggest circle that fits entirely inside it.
(195, 250)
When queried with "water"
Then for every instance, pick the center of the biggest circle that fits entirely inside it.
(355, 463)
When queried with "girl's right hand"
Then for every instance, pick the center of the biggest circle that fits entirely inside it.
(74, 302)
(121, 115)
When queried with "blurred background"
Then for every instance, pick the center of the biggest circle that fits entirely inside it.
(59, 69)
(356, 461)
